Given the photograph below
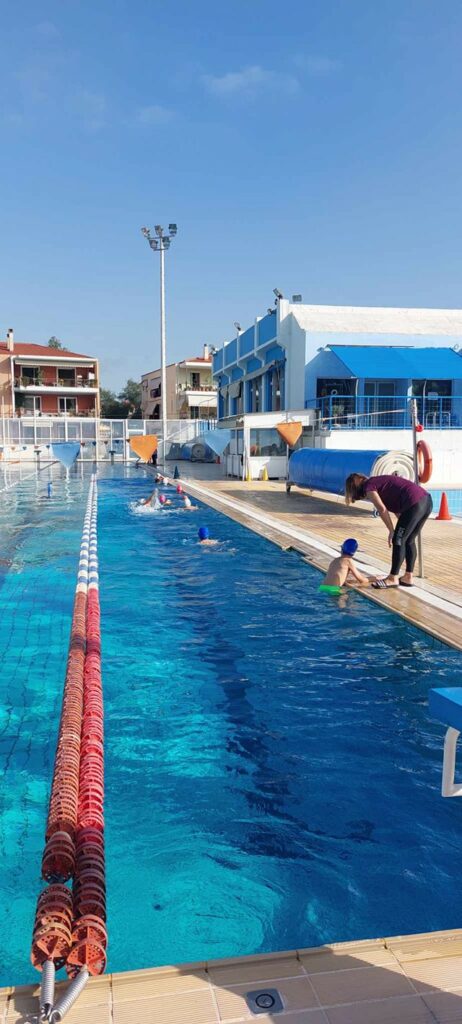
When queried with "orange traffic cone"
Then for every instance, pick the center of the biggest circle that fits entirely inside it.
(444, 512)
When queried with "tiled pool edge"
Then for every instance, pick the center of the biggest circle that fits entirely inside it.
(411, 977)
(432, 614)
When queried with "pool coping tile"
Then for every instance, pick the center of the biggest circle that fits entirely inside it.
(399, 1010)
(197, 1007)
(362, 984)
(296, 993)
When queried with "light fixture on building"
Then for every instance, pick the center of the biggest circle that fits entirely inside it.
(277, 293)
(238, 327)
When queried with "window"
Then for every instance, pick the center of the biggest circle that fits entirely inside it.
(442, 388)
(68, 406)
(266, 442)
(66, 376)
(255, 395)
(379, 388)
(32, 405)
(329, 386)
(195, 381)
(31, 375)
(275, 389)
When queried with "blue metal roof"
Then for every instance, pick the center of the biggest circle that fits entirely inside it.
(393, 361)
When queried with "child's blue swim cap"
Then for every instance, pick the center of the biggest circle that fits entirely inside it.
(203, 533)
(350, 546)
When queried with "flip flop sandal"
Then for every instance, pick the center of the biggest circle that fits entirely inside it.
(382, 585)
(403, 583)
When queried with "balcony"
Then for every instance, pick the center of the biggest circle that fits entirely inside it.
(197, 388)
(386, 412)
(37, 385)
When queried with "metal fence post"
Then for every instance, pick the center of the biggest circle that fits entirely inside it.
(416, 477)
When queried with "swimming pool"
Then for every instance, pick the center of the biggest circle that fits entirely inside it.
(272, 776)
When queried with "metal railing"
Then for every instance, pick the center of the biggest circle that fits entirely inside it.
(386, 412)
(39, 382)
(100, 439)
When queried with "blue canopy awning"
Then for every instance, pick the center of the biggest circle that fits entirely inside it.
(66, 452)
(217, 440)
(389, 362)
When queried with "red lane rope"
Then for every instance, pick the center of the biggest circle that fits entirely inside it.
(69, 928)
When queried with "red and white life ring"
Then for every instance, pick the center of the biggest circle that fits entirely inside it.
(425, 461)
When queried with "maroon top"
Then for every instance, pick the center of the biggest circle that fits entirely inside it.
(396, 493)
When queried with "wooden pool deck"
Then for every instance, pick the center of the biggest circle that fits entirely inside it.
(315, 525)
(415, 978)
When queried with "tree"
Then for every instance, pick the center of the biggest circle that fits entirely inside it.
(131, 395)
(56, 343)
(111, 407)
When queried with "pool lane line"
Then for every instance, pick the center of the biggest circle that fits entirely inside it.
(75, 807)
(323, 548)
(37, 469)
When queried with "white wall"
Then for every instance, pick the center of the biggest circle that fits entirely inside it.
(292, 337)
(446, 446)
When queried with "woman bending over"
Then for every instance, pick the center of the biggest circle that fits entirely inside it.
(411, 504)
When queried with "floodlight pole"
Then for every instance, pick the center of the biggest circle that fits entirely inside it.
(159, 243)
(163, 352)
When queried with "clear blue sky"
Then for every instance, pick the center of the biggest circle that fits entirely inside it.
(313, 145)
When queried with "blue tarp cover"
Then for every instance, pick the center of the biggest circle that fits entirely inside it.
(389, 362)
(66, 452)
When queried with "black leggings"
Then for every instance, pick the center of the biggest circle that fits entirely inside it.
(407, 529)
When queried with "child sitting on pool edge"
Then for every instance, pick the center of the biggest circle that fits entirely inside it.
(340, 568)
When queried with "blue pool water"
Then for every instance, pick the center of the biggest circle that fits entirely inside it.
(272, 774)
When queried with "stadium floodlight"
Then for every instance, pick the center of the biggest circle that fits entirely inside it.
(160, 244)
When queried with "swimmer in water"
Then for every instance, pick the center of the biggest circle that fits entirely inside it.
(151, 500)
(188, 506)
(341, 569)
(164, 501)
(204, 538)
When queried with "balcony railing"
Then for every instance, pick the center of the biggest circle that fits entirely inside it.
(387, 412)
(196, 387)
(62, 382)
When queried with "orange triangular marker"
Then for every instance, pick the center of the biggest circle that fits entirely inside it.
(144, 445)
(290, 432)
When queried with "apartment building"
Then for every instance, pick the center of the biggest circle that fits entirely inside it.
(36, 380)
(191, 393)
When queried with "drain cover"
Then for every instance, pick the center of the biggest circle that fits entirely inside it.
(264, 999)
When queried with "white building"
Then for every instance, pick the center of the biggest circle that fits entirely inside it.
(350, 367)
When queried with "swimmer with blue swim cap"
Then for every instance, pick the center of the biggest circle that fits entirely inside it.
(204, 536)
(342, 570)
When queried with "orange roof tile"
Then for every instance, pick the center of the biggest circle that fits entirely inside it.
(25, 349)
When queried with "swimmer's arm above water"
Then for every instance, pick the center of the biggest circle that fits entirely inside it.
(147, 501)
